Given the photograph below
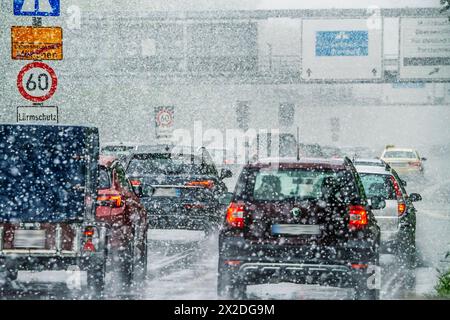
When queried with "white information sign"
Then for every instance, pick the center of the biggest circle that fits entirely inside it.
(345, 49)
(425, 48)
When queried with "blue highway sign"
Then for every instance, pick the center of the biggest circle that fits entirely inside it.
(342, 43)
(37, 8)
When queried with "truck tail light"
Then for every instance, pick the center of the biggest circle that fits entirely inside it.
(235, 215)
(208, 184)
(358, 217)
(89, 236)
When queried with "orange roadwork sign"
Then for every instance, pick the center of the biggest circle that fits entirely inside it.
(36, 43)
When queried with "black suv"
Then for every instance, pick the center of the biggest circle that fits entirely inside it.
(304, 221)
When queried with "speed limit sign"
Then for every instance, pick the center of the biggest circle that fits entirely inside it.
(164, 117)
(37, 82)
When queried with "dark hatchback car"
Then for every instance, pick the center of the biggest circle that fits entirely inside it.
(301, 221)
(180, 187)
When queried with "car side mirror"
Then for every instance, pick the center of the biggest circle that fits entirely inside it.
(423, 159)
(225, 173)
(377, 203)
(226, 198)
(404, 183)
(414, 197)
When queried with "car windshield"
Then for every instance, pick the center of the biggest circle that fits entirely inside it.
(300, 184)
(379, 185)
(400, 154)
(164, 163)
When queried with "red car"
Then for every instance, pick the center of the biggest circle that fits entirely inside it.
(120, 207)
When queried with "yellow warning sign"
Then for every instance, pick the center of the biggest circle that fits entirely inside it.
(36, 43)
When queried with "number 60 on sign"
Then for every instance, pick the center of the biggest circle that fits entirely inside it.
(37, 82)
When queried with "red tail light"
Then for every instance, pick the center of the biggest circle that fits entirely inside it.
(414, 164)
(89, 233)
(401, 208)
(358, 217)
(89, 246)
(235, 215)
(203, 183)
(112, 200)
(359, 266)
(398, 191)
(135, 183)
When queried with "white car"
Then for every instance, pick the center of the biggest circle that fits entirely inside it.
(404, 160)
(378, 181)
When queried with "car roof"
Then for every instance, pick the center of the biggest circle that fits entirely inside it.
(292, 162)
(372, 169)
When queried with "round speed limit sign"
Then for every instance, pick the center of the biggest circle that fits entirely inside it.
(164, 118)
(37, 82)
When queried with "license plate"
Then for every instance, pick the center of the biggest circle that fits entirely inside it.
(295, 229)
(29, 239)
(166, 192)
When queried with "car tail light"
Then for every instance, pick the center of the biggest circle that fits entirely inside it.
(89, 235)
(135, 183)
(358, 217)
(112, 200)
(401, 208)
(202, 183)
(414, 164)
(398, 191)
(359, 266)
(232, 262)
(235, 215)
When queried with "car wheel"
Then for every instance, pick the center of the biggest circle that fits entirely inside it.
(96, 279)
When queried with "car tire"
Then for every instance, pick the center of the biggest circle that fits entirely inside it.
(96, 279)
(229, 287)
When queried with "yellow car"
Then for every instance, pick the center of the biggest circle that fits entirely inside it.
(403, 160)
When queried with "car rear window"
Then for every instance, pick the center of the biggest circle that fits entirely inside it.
(164, 163)
(297, 184)
(379, 185)
(400, 154)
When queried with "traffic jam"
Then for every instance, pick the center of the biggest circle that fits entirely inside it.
(172, 150)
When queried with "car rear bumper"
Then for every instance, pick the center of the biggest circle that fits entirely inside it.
(41, 262)
(340, 275)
